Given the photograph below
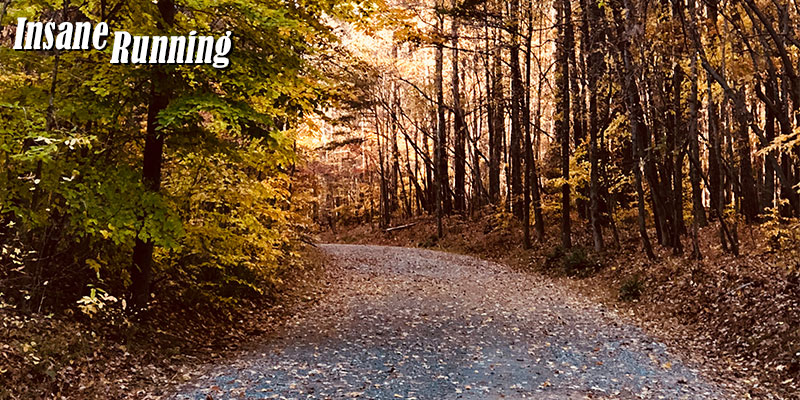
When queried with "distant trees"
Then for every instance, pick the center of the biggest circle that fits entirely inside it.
(676, 112)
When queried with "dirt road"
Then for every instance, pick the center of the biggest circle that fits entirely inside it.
(418, 324)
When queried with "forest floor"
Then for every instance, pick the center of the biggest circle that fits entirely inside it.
(737, 316)
(71, 357)
(419, 324)
(724, 324)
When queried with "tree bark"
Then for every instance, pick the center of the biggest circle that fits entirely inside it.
(459, 130)
(593, 36)
(678, 226)
(440, 152)
(515, 149)
(564, 47)
(160, 93)
(635, 119)
(498, 128)
(698, 211)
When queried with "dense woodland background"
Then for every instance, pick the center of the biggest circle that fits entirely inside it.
(683, 110)
(649, 145)
(627, 130)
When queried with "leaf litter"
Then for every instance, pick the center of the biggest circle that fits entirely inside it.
(418, 324)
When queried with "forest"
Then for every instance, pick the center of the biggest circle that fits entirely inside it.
(642, 154)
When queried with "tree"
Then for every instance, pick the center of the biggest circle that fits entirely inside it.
(459, 128)
(593, 37)
(441, 183)
(153, 158)
(113, 145)
(564, 47)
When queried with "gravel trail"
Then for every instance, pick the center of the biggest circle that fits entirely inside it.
(418, 324)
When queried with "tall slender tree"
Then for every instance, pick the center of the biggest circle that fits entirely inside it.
(564, 47)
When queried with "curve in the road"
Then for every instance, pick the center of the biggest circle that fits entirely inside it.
(418, 324)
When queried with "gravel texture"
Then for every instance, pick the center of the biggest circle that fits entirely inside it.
(418, 324)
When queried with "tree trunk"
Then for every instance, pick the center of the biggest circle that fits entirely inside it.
(515, 149)
(440, 176)
(493, 165)
(749, 196)
(531, 175)
(498, 129)
(153, 156)
(768, 191)
(714, 155)
(698, 211)
(385, 202)
(678, 226)
(564, 47)
(537, 203)
(593, 36)
(459, 130)
(636, 121)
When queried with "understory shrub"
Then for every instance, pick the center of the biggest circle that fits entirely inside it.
(631, 288)
(575, 261)
(241, 232)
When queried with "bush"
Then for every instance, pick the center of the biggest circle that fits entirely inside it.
(499, 220)
(575, 261)
(223, 226)
(578, 262)
(553, 257)
(783, 235)
(241, 234)
(631, 288)
(70, 217)
(431, 241)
